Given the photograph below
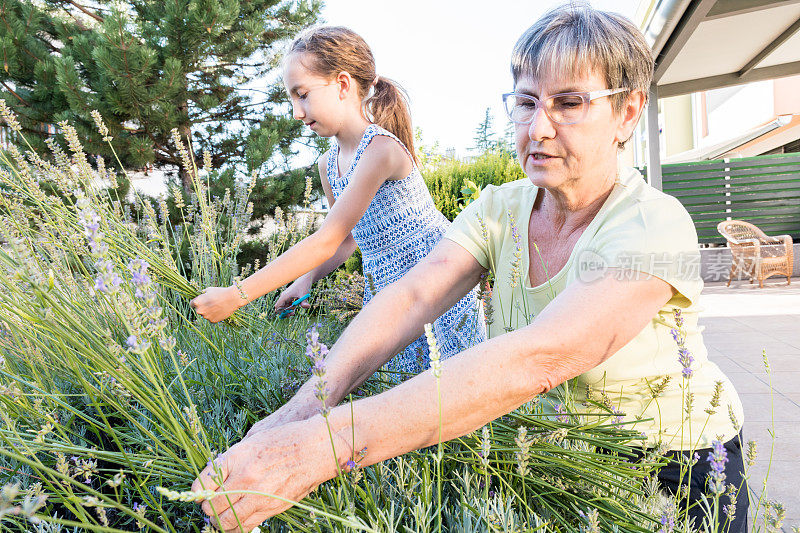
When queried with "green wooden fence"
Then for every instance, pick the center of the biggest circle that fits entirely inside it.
(763, 190)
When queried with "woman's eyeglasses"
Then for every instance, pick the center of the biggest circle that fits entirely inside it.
(562, 108)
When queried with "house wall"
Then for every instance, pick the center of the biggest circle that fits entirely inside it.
(678, 124)
(786, 91)
(734, 110)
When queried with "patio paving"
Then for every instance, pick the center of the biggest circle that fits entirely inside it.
(740, 321)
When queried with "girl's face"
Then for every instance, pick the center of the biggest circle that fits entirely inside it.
(316, 100)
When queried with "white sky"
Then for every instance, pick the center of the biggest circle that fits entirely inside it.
(451, 56)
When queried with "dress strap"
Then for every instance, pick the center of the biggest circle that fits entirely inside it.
(332, 168)
(381, 131)
(333, 156)
(369, 134)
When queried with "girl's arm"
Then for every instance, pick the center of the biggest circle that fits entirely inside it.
(383, 158)
(342, 254)
(346, 249)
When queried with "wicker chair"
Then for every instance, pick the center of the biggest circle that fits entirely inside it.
(756, 254)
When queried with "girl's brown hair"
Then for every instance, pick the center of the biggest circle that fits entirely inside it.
(334, 49)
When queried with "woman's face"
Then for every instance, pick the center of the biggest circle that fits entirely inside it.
(556, 155)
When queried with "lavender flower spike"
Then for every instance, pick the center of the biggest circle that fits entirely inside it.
(107, 281)
(316, 352)
(667, 522)
(517, 261)
(716, 478)
(433, 349)
(684, 355)
(562, 413)
(141, 280)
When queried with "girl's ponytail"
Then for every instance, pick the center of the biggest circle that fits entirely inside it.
(388, 108)
(333, 49)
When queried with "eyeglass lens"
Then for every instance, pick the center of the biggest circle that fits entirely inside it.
(564, 109)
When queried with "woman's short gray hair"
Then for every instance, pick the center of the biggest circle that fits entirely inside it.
(577, 38)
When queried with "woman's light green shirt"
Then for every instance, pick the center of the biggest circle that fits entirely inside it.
(638, 230)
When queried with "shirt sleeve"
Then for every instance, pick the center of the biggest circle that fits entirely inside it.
(655, 237)
(474, 227)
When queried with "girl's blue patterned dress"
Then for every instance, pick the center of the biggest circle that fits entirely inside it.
(399, 228)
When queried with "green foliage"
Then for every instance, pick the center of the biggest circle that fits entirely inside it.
(353, 263)
(448, 182)
(284, 190)
(150, 67)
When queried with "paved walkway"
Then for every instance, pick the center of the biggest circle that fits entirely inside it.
(741, 321)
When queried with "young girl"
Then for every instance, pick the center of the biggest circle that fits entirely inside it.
(379, 200)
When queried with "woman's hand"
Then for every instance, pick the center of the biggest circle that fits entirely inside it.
(299, 288)
(218, 303)
(287, 462)
(302, 406)
(270, 422)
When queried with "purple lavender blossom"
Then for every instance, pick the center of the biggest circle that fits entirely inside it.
(562, 413)
(107, 281)
(90, 221)
(685, 357)
(514, 231)
(667, 523)
(316, 352)
(137, 345)
(144, 291)
(139, 278)
(717, 458)
(618, 416)
(678, 318)
(100, 285)
(168, 343)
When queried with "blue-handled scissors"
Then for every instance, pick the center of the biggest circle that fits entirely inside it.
(295, 303)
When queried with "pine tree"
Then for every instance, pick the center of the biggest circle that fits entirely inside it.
(507, 143)
(150, 67)
(484, 134)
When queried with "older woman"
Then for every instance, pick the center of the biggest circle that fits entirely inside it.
(590, 263)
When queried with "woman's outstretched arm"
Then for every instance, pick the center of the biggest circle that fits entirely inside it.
(582, 327)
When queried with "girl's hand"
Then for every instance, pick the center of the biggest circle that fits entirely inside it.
(217, 303)
(297, 289)
(288, 462)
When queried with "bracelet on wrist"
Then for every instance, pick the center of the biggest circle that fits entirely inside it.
(237, 282)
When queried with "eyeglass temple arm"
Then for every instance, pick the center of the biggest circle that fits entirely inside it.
(605, 92)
